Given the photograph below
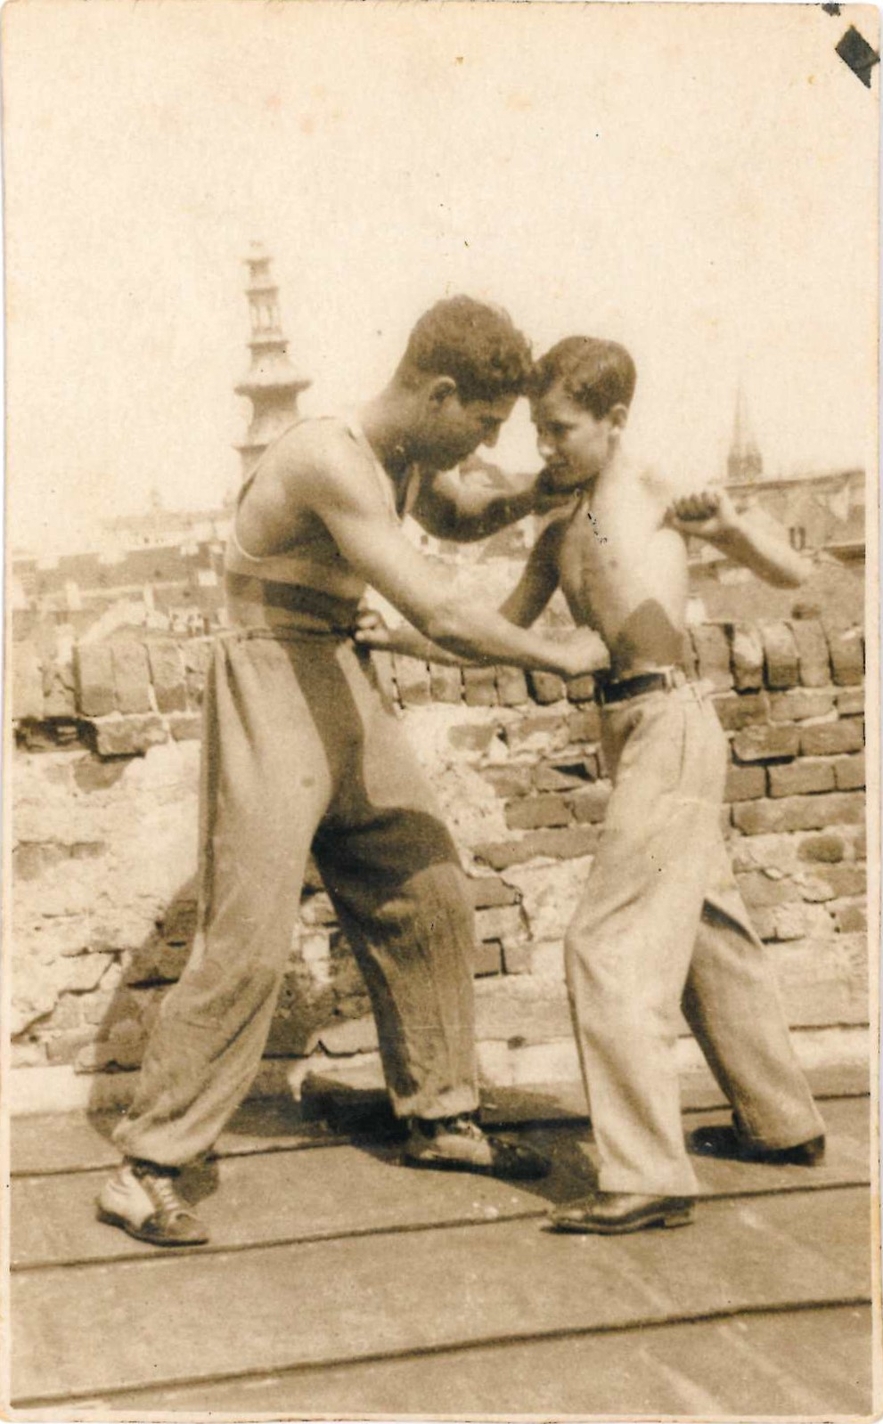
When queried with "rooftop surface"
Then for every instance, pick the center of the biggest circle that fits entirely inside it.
(340, 1283)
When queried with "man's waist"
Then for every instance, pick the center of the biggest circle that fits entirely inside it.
(612, 687)
(265, 603)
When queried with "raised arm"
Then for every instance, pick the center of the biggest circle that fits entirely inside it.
(344, 495)
(449, 507)
(711, 515)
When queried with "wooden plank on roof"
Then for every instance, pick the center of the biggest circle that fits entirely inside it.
(284, 1196)
(815, 1363)
(387, 1294)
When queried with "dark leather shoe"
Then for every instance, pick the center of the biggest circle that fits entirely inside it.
(614, 1213)
(458, 1144)
(726, 1141)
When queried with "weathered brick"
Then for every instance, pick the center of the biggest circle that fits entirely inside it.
(546, 687)
(844, 879)
(167, 674)
(488, 891)
(584, 726)
(27, 681)
(800, 703)
(93, 669)
(847, 654)
(532, 812)
(514, 779)
(766, 743)
(851, 918)
(851, 702)
(741, 709)
(128, 736)
(747, 657)
(779, 654)
(566, 776)
(581, 689)
(185, 726)
(445, 683)
(539, 729)
(801, 778)
(831, 738)
(759, 889)
(500, 922)
(412, 680)
(565, 844)
(812, 651)
(59, 695)
(131, 676)
(828, 848)
(487, 958)
(712, 648)
(745, 783)
(799, 813)
(849, 772)
(381, 662)
(511, 687)
(590, 805)
(518, 958)
(197, 655)
(480, 686)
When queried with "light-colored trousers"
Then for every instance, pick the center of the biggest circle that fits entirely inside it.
(300, 751)
(662, 927)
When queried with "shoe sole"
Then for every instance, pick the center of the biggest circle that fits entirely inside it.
(671, 1219)
(112, 1218)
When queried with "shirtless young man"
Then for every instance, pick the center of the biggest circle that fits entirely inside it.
(661, 925)
(301, 752)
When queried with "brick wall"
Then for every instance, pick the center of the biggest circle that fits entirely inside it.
(105, 787)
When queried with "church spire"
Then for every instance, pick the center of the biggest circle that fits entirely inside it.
(744, 462)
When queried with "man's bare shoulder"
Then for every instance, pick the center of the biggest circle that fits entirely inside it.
(320, 461)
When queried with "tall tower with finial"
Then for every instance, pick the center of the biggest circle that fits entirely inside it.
(271, 384)
(744, 462)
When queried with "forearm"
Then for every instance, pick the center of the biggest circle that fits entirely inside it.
(765, 553)
(408, 642)
(485, 636)
(481, 513)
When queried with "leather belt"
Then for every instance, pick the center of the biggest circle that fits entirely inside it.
(662, 681)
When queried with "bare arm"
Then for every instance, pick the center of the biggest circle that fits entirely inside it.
(450, 508)
(342, 492)
(711, 515)
(523, 606)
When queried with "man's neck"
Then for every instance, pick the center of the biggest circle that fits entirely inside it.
(385, 424)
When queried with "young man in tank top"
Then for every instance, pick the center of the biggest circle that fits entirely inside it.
(661, 926)
(301, 753)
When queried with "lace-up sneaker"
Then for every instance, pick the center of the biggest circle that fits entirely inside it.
(458, 1144)
(142, 1199)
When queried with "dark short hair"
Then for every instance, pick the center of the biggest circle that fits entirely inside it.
(595, 374)
(476, 345)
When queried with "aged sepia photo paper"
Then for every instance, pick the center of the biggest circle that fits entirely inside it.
(441, 930)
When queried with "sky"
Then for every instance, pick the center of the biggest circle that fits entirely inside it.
(699, 182)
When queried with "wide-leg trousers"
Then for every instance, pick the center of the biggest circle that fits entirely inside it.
(660, 928)
(301, 752)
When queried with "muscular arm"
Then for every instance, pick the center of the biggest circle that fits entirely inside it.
(523, 606)
(711, 515)
(342, 492)
(450, 508)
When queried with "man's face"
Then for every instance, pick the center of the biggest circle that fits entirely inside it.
(453, 429)
(574, 443)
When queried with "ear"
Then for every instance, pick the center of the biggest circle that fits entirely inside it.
(440, 389)
(618, 416)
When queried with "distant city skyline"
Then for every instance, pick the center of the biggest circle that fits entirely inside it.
(711, 203)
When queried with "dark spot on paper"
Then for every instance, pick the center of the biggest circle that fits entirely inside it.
(831, 9)
(855, 51)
